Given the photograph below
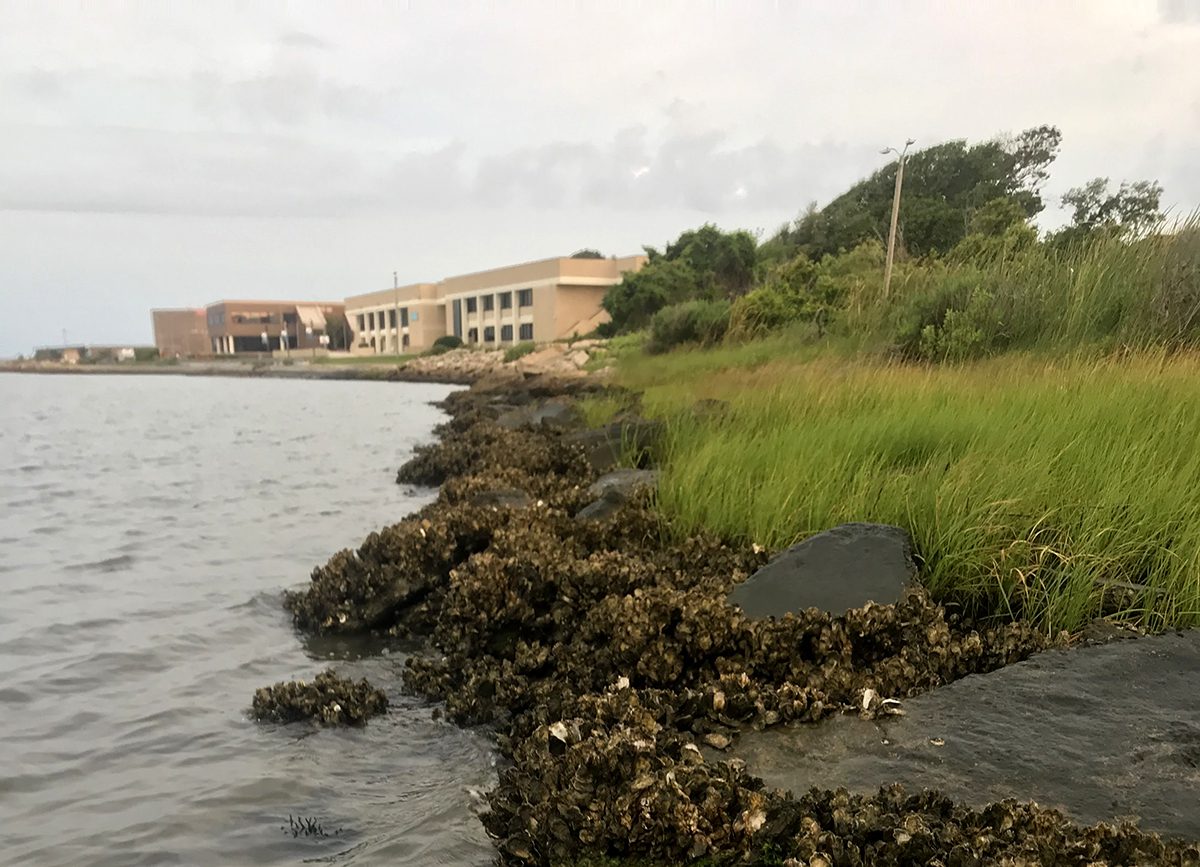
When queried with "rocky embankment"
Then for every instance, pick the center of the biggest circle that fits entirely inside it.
(600, 646)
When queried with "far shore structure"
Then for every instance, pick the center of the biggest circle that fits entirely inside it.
(540, 301)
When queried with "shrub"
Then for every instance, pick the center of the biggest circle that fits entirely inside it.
(700, 322)
(763, 310)
(145, 353)
(519, 351)
(445, 343)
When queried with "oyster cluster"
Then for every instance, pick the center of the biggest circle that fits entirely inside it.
(606, 658)
(328, 699)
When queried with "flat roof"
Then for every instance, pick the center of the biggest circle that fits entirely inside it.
(302, 303)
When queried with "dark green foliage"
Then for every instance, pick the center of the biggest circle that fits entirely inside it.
(1132, 210)
(445, 343)
(943, 186)
(587, 254)
(145, 353)
(704, 263)
(338, 330)
(701, 323)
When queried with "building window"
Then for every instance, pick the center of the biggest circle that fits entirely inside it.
(525, 298)
(527, 330)
(362, 322)
(371, 320)
(506, 333)
(472, 335)
(489, 303)
(392, 318)
(471, 305)
(403, 317)
(489, 335)
(506, 301)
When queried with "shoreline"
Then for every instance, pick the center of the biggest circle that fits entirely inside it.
(248, 370)
(604, 659)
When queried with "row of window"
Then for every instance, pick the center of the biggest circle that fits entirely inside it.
(524, 299)
(382, 319)
(506, 333)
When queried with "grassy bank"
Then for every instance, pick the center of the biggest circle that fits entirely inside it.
(1030, 484)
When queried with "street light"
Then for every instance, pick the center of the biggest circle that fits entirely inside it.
(891, 250)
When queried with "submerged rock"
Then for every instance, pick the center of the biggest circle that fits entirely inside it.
(836, 570)
(328, 699)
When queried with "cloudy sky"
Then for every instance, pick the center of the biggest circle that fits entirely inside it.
(172, 154)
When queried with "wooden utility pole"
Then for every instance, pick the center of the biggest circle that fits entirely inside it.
(891, 250)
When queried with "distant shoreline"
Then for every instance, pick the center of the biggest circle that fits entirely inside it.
(303, 370)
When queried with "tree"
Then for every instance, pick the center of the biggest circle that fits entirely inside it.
(338, 331)
(702, 264)
(1132, 209)
(943, 186)
(587, 253)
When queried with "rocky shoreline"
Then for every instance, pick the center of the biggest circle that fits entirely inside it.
(599, 646)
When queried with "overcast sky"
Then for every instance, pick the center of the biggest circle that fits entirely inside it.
(173, 154)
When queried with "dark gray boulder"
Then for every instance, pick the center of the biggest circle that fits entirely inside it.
(605, 447)
(552, 414)
(836, 570)
(624, 480)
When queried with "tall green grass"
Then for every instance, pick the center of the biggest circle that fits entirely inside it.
(1030, 483)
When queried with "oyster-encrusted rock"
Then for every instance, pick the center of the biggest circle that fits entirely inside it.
(327, 699)
(607, 658)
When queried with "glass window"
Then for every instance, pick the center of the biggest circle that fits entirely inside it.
(489, 335)
(525, 298)
(472, 335)
(362, 322)
(506, 301)
(392, 318)
(471, 305)
(527, 329)
(489, 302)
(371, 320)
(403, 317)
(506, 333)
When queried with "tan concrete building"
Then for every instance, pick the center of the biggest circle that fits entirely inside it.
(394, 321)
(181, 333)
(236, 327)
(540, 301)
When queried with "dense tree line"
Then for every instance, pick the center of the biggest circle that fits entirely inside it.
(962, 205)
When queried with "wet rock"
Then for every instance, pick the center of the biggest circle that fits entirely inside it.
(606, 447)
(836, 570)
(623, 481)
(504, 498)
(328, 699)
(554, 414)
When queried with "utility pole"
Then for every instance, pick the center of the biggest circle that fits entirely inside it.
(891, 250)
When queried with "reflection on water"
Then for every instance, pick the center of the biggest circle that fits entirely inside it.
(148, 524)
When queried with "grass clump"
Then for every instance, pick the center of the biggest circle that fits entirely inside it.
(1032, 486)
(520, 350)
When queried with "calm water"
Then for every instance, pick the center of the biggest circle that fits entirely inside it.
(147, 525)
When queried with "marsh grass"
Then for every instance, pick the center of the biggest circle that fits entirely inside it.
(1030, 484)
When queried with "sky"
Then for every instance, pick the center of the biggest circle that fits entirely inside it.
(172, 154)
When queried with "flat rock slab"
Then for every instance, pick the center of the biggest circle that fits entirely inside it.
(624, 480)
(842, 568)
(1102, 733)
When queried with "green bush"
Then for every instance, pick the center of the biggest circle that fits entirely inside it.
(699, 322)
(519, 351)
(145, 353)
(445, 343)
(764, 310)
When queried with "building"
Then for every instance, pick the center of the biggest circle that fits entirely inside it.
(237, 327)
(181, 333)
(546, 300)
(404, 319)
